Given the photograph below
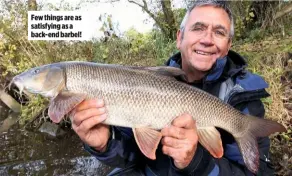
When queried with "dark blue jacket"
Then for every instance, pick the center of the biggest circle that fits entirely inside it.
(227, 80)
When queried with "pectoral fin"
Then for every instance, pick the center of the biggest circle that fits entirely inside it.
(147, 140)
(210, 138)
(63, 104)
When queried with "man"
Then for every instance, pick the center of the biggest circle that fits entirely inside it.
(204, 40)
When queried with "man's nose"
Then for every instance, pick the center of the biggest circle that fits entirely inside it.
(207, 39)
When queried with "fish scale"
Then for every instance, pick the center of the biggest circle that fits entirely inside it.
(146, 99)
(122, 88)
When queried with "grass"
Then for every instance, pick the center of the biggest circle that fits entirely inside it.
(267, 57)
(270, 59)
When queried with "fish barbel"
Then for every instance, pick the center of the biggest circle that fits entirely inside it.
(146, 99)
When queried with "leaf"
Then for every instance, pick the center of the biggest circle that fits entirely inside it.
(13, 47)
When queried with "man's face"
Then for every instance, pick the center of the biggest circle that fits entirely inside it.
(205, 38)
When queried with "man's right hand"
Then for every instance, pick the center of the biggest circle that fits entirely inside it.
(86, 122)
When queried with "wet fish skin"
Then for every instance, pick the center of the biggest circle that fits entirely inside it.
(155, 99)
(150, 98)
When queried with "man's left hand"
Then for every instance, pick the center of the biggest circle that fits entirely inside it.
(180, 140)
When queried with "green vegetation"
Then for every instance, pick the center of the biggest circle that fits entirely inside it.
(269, 58)
(266, 44)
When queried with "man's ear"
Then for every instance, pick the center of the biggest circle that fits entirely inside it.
(179, 34)
(229, 45)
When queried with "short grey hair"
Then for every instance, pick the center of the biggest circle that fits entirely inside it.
(214, 3)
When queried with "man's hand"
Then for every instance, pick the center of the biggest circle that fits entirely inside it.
(180, 140)
(86, 121)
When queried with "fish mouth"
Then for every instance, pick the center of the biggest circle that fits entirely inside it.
(204, 53)
(18, 82)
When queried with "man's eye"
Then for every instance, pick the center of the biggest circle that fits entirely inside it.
(198, 29)
(220, 33)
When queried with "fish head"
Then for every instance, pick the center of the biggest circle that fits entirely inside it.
(47, 80)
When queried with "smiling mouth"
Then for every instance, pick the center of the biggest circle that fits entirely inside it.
(203, 53)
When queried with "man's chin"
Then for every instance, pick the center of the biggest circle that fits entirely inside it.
(203, 68)
(204, 64)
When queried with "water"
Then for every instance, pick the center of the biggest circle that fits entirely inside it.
(25, 152)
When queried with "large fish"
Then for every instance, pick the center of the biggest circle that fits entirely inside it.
(146, 99)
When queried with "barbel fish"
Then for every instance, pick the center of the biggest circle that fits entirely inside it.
(146, 99)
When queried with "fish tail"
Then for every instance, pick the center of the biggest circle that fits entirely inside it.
(248, 141)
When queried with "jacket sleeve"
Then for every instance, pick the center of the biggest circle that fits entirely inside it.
(122, 150)
(232, 162)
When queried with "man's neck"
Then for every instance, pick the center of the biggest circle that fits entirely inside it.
(193, 75)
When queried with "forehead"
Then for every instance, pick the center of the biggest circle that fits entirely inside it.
(209, 15)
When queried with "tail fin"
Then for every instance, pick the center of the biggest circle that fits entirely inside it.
(264, 127)
(248, 144)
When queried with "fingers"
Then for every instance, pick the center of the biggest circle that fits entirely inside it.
(177, 154)
(181, 126)
(87, 120)
(88, 114)
(87, 124)
(181, 151)
(192, 140)
(180, 140)
(87, 109)
(173, 142)
(175, 132)
(184, 121)
(81, 116)
(172, 152)
(87, 104)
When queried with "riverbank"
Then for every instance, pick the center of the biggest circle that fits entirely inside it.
(25, 152)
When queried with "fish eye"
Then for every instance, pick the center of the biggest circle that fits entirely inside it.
(36, 71)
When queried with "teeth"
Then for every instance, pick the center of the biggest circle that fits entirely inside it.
(203, 53)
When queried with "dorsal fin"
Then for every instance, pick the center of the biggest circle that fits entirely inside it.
(163, 70)
(167, 71)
